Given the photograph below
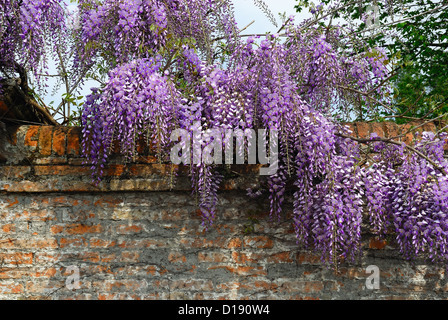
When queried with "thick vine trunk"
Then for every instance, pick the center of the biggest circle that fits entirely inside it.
(17, 107)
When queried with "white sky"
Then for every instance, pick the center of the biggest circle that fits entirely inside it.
(246, 11)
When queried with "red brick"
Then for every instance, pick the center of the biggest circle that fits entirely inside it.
(408, 134)
(140, 170)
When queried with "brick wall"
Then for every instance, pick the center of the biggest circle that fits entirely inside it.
(137, 235)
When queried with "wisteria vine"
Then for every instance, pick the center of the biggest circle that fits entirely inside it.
(173, 64)
(289, 85)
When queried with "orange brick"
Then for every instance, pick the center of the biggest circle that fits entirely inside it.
(430, 127)
(16, 258)
(82, 229)
(65, 242)
(31, 136)
(128, 229)
(302, 286)
(111, 257)
(100, 243)
(73, 141)
(308, 258)
(125, 285)
(45, 139)
(281, 257)
(56, 229)
(17, 172)
(61, 170)
(33, 244)
(8, 228)
(12, 203)
(243, 270)
(212, 257)
(129, 256)
(11, 288)
(391, 129)
(90, 256)
(146, 159)
(114, 170)
(59, 139)
(261, 242)
(378, 129)
(363, 130)
(377, 244)
(235, 243)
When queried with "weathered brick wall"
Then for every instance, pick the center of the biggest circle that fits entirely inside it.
(135, 236)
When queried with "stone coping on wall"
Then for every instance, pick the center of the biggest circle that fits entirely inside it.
(49, 159)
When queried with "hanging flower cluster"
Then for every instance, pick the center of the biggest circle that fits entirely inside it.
(289, 86)
(31, 31)
(137, 102)
(407, 193)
